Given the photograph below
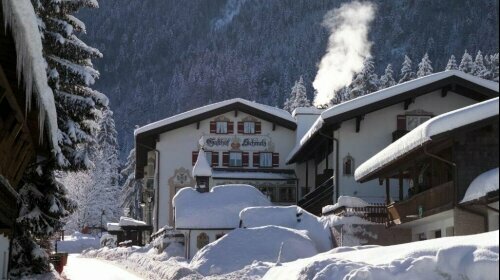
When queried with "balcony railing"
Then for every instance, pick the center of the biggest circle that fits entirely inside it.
(426, 203)
(375, 213)
(321, 196)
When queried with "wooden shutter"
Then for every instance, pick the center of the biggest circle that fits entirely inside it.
(256, 159)
(194, 157)
(401, 122)
(215, 159)
(276, 160)
(244, 159)
(225, 159)
(258, 128)
(241, 127)
(230, 127)
(213, 127)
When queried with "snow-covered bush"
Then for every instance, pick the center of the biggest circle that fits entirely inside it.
(242, 247)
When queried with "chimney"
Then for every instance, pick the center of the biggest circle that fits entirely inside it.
(202, 172)
(305, 117)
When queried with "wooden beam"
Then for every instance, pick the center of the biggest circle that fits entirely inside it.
(235, 113)
(401, 197)
(408, 102)
(444, 91)
(358, 123)
(387, 191)
(197, 125)
(2, 93)
(274, 126)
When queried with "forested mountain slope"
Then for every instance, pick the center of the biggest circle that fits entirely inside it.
(164, 57)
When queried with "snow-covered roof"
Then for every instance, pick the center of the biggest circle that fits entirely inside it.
(20, 16)
(307, 110)
(218, 174)
(482, 185)
(201, 167)
(423, 133)
(386, 94)
(219, 208)
(345, 201)
(126, 221)
(183, 116)
(113, 227)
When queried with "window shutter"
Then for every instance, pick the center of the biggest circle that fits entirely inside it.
(215, 159)
(225, 159)
(256, 159)
(258, 128)
(241, 127)
(230, 127)
(194, 157)
(401, 122)
(213, 127)
(244, 159)
(276, 160)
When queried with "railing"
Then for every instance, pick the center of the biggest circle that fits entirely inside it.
(375, 213)
(426, 203)
(314, 201)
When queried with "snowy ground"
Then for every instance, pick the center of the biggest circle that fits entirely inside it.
(79, 268)
(77, 242)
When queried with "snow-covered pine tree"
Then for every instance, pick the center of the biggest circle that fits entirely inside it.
(130, 188)
(452, 63)
(387, 80)
(467, 64)
(43, 204)
(407, 73)
(71, 73)
(298, 97)
(479, 68)
(493, 69)
(425, 66)
(366, 81)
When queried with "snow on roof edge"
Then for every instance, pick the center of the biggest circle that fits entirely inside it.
(268, 109)
(423, 133)
(20, 16)
(482, 185)
(390, 92)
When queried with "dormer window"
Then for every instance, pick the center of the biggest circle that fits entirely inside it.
(221, 128)
(249, 127)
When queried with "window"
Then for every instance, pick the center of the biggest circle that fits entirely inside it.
(249, 128)
(201, 240)
(235, 159)
(221, 128)
(208, 155)
(287, 194)
(219, 235)
(413, 121)
(348, 165)
(437, 234)
(266, 160)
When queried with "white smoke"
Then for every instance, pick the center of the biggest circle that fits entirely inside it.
(231, 9)
(348, 46)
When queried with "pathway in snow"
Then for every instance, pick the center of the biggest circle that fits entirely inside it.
(83, 268)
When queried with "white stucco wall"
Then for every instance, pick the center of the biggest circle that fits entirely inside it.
(429, 225)
(176, 149)
(376, 133)
(4, 256)
(493, 217)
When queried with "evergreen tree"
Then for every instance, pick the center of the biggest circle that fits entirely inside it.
(298, 97)
(452, 63)
(366, 81)
(387, 80)
(407, 73)
(467, 64)
(424, 67)
(479, 68)
(130, 188)
(494, 67)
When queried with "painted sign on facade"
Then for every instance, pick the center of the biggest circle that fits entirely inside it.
(216, 142)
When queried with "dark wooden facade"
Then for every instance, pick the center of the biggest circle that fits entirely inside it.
(19, 129)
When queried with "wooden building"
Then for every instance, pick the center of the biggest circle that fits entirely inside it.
(439, 159)
(26, 132)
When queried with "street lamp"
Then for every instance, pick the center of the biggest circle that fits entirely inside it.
(102, 215)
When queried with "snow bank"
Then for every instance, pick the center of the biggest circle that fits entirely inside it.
(345, 201)
(223, 205)
(292, 217)
(482, 185)
(261, 107)
(77, 243)
(242, 247)
(126, 221)
(423, 133)
(465, 257)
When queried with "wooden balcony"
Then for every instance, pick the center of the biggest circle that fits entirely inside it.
(429, 202)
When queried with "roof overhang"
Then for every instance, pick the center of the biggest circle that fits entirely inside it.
(453, 82)
(146, 141)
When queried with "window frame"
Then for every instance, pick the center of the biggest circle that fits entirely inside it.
(419, 118)
(232, 160)
(251, 128)
(262, 156)
(222, 131)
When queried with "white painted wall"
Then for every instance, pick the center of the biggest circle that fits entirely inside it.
(176, 147)
(305, 118)
(493, 217)
(4, 256)
(429, 225)
(376, 134)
